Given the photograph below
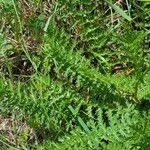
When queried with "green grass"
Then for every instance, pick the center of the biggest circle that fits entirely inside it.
(74, 75)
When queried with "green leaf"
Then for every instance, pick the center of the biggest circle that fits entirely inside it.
(84, 126)
(120, 11)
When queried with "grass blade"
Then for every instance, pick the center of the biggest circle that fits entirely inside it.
(120, 11)
(85, 127)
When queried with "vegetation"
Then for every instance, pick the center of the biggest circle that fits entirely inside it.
(74, 74)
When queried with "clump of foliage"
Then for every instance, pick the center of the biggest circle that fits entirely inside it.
(75, 73)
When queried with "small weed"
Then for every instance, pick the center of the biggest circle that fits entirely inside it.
(74, 75)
